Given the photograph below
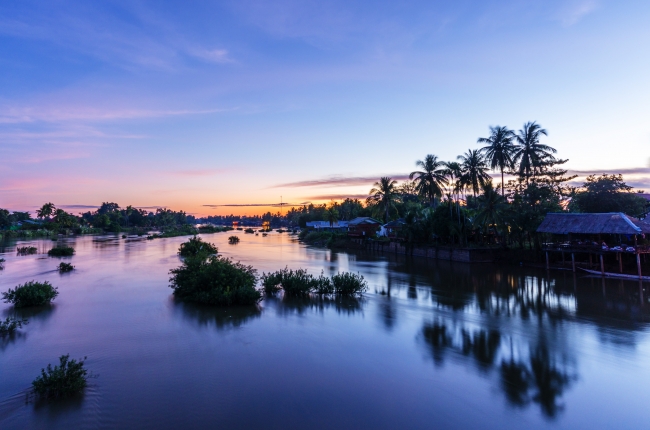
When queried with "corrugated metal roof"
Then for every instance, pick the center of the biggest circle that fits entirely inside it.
(363, 220)
(592, 223)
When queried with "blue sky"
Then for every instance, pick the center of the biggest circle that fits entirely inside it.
(181, 104)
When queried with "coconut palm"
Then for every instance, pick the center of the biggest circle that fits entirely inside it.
(384, 193)
(530, 154)
(430, 180)
(46, 211)
(474, 170)
(491, 207)
(499, 150)
(332, 216)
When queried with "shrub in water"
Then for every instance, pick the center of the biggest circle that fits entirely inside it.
(65, 267)
(249, 230)
(215, 281)
(2, 263)
(61, 251)
(30, 294)
(10, 325)
(293, 282)
(233, 240)
(64, 380)
(196, 246)
(349, 284)
(26, 250)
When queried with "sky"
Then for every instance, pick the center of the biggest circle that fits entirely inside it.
(185, 104)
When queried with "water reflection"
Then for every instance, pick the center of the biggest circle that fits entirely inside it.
(300, 305)
(220, 318)
(539, 378)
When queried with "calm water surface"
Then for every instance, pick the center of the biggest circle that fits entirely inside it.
(431, 345)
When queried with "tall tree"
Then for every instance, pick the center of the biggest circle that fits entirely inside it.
(474, 170)
(530, 154)
(384, 193)
(46, 211)
(332, 216)
(430, 180)
(499, 150)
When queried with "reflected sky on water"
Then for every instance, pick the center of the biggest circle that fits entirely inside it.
(431, 344)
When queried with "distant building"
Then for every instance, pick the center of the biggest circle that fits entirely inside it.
(325, 225)
(363, 227)
(392, 228)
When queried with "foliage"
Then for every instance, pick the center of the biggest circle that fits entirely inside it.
(474, 170)
(213, 229)
(196, 246)
(214, 280)
(65, 267)
(349, 284)
(608, 193)
(31, 293)
(26, 250)
(61, 251)
(10, 325)
(531, 155)
(430, 180)
(384, 194)
(2, 262)
(499, 150)
(249, 231)
(64, 380)
(233, 240)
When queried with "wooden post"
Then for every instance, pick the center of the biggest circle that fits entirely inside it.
(641, 293)
(602, 265)
(620, 262)
(573, 262)
(638, 264)
(547, 265)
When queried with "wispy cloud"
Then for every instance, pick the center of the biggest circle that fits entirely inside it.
(337, 197)
(339, 181)
(575, 11)
(213, 55)
(628, 171)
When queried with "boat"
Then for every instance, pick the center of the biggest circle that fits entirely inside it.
(615, 275)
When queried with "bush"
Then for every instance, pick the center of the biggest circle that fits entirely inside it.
(10, 325)
(323, 285)
(61, 251)
(349, 284)
(249, 231)
(215, 281)
(196, 246)
(64, 380)
(65, 267)
(30, 294)
(233, 240)
(26, 250)
(2, 263)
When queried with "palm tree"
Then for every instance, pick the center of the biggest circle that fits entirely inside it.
(46, 211)
(530, 154)
(332, 216)
(499, 150)
(384, 194)
(431, 178)
(474, 170)
(491, 207)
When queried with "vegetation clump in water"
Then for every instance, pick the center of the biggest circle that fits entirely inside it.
(31, 293)
(249, 231)
(196, 246)
(2, 263)
(214, 280)
(26, 250)
(65, 267)
(300, 283)
(10, 325)
(233, 240)
(66, 379)
(61, 251)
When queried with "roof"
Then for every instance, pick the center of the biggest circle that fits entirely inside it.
(592, 223)
(326, 224)
(396, 223)
(363, 220)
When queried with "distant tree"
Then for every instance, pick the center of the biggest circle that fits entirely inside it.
(474, 170)
(46, 211)
(491, 209)
(107, 207)
(4, 218)
(530, 154)
(332, 216)
(499, 150)
(384, 194)
(350, 209)
(430, 180)
(608, 193)
(20, 216)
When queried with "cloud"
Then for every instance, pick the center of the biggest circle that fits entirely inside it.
(257, 205)
(340, 181)
(77, 206)
(575, 11)
(629, 171)
(338, 197)
(220, 56)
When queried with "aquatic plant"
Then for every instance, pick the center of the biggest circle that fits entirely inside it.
(215, 281)
(2, 263)
(65, 267)
(26, 250)
(249, 231)
(10, 325)
(64, 380)
(61, 251)
(30, 293)
(196, 246)
(233, 240)
(349, 284)
(124, 236)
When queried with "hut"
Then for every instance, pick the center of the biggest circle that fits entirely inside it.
(363, 227)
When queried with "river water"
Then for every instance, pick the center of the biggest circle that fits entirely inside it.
(432, 344)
